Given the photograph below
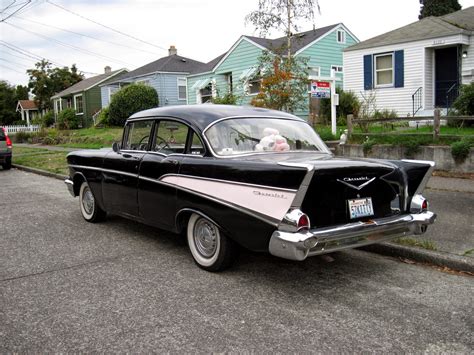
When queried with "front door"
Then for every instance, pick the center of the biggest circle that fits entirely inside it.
(446, 75)
(120, 169)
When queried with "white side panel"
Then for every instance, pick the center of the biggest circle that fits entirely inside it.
(267, 201)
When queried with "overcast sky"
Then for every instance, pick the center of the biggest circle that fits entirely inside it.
(200, 29)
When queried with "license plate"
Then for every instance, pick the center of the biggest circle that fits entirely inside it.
(360, 207)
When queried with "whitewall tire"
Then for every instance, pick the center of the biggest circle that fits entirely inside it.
(210, 248)
(89, 208)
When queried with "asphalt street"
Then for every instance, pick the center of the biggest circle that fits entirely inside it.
(68, 285)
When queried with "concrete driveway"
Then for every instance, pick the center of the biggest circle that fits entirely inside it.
(67, 285)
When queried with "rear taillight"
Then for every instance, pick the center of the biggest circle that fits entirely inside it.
(303, 222)
(8, 140)
(424, 205)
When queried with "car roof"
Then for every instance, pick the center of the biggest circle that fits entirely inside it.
(201, 116)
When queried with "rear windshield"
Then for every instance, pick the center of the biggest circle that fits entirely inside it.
(250, 135)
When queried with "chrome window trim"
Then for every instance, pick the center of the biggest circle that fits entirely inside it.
(215, 155)
(231, 182)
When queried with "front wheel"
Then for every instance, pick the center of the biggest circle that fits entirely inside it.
(211, 250)
(89, 208)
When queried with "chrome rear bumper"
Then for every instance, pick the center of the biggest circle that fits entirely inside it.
(300, 245)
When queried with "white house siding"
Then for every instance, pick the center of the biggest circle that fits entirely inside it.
(468, 63)
(397, 99)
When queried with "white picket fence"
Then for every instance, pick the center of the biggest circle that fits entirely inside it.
(15, 129)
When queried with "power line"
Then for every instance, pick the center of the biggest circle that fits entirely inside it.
(14, 12)
(17, 58)
(6, 8)
(36, 57)
(105, 26)
(84, 35)
(97, 55)
(10, 68)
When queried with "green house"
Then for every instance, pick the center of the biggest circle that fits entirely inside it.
(236, 70)
(85, 96)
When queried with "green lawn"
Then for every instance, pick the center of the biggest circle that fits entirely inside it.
(43, 159)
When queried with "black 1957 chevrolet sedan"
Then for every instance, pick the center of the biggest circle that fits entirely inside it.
(240, 176)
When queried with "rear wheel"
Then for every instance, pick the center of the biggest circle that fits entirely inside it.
(211, 249)
(8, 163)
(89, 208)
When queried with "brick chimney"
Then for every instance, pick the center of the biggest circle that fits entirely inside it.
(172, 50)
(107, 70)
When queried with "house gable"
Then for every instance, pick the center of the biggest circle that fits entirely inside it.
(244, 53)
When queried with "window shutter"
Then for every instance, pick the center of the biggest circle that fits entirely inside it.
(399, 69)
(368, 76)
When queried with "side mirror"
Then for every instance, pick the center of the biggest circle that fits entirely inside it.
(116, 147)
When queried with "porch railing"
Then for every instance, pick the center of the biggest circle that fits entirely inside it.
(417, 99)
(451, 95)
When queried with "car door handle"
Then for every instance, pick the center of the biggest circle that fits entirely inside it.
(171, 161)
(128, 156)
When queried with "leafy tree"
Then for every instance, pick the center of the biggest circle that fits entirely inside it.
(132, 98)
(438, 7)
(284, 84)
(22, 92)
(282, 15)
(45, 81)
(8, 102)
(67, 119)
(464, 104)
(349, 104)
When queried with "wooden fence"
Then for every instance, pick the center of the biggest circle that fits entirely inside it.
(15, 129)
(434, 121)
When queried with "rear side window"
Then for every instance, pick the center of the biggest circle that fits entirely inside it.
(138, 135)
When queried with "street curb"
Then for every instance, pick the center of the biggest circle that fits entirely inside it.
(39, 172)
(438, 258)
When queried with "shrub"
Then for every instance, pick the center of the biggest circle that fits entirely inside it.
(461, 150)
(349, 104)
(103, 118)
(412, 148)
(48, 119)
(368, 145)
(67, 119)
(464, 104)
(132, 98)
(22, 137)
(227, 99)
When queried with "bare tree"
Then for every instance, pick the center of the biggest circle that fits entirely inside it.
(282, 14)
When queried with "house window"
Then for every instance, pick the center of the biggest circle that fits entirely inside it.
(314, 71)
(143, 82)
(341, 36)
(206, 93)
(112, 91)
(78, 104)
(383, 69)
(337, 68)
(254, 86)
(181, 88)
(230, 84)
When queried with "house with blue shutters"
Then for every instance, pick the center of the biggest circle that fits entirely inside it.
(166, 75)
(416, 68)
(236, 71)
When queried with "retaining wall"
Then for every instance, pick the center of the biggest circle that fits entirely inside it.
(441, 155)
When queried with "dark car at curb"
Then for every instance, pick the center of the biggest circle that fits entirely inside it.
(5, 150)
(231, 177)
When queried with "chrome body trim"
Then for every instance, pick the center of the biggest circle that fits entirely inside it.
(290, 221)
(427, 176)
(70, 186)
(229, 182)
(317, 241)
(104, 170)
(355, 187)
(416, 205)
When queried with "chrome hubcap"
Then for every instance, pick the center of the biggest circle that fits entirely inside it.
(205, 238)
(88, 201)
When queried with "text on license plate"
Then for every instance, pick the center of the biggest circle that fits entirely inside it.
(360, 207)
